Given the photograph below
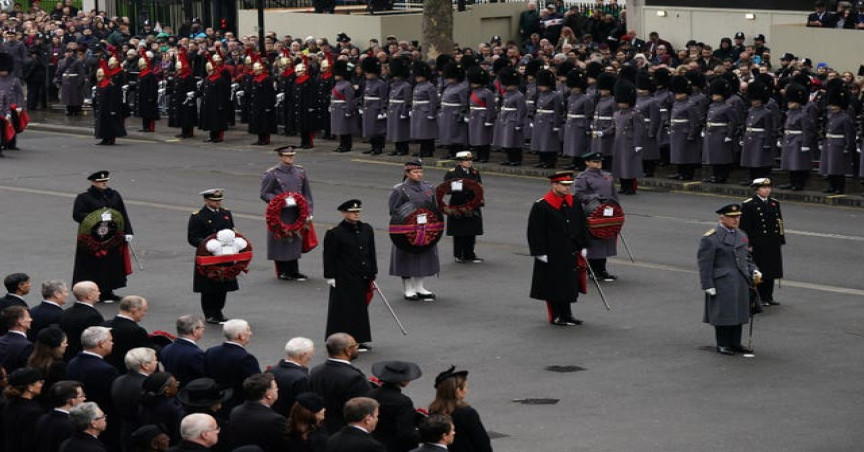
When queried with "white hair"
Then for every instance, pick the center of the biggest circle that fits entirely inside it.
(298, 346)
(234, 327)
(193, 425)
(92, 336)
(138, 357)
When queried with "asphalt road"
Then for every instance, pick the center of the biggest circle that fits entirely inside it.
(647, 383)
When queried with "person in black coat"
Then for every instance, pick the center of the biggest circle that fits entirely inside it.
(126, 332)
(292, 373)
(159, 404)
(108, 110)
(336, 380)
(17, 285)
(305, 424)
(183, 358)
(47, 358)
(350, 268)
(451, 387)
(361, 414)
(15, 349)
(762, 220)
(215, 96)
(91, 423)
(147, 102)
(80, 316)
(308, 96)
(203, 223)
(182, 107)
(48, 313)
(126, 389)
(556, 234)
(107, 265)
(436, 432)
(229, 363)
(35, 69)
(396, 427)
(21, 410)
(200, 432)
(464, 227)
(254, 422)
(262, 98)
(55, 426)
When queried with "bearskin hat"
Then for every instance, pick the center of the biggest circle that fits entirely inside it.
(679, 84)
(546, 78)
(442, 60)
(834, 83)
(577, 79)
(757, 90)
(533, 67)
(593, 69)
(7, 63)
(628, 72)
(803, 80)
(400, 67)
(453, 70)
(564, 68)
(696, 78)
(644, 81)
(477, 76)
(662, 77)
(468, 61)
(421, 69)
(340, 68)
(625, 92)
(839, 97)
(719, 86)
(499, 64)
(371, 65)
(508, 76)
(606, 81)
(797, 93)
(767, 79)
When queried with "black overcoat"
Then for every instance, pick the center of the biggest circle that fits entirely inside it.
(262, 97)
(215, 95)
(763, 223)
(108, 112)
(464, 225)
(349, 258)
(202, 224)
(560, 234)
(107, 271)
(148, 96)
(182, 110)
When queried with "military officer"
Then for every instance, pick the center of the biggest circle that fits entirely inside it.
(596, 184)
(482, 113)
(649, 106)
(108, 271)
(147, 102)
(399, 106)
(799, 132)
(107, 110)
(464, 228)
(343, 105)
(215, 95)
(725, 272)
(557, 233)
(757, 154)
(685, 141)
(283, 178)
(762, 220)
(721, 127)
(182, 107)
(629, 138)
(70, 77)
(839, 144)
(413, 267)
(203, 223)
(665, 100)
(350, 267)
(548, 119)
(424, 109)
(453, 115)
(310, 101)
(375, 102)
(509, 127)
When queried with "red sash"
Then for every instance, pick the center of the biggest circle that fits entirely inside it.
(338, 94)
(477, 100)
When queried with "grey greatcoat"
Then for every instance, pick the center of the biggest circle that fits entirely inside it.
(664, 100)
(758, 150)
(799, 133)
(375, 96)
(725, 265)
(398, 121)
(629, 142)
(453, 115)
(531, 98)
(603, 122)
(275, 181)
(720, 130)
(482, 117)
(597, 184)
(510, 126)
(548, 119)
(685, 142)
(405, 263)
(343, 106)
(70, 76)
(650, 108)
(424, 112)
(839, 145)
(580, 108)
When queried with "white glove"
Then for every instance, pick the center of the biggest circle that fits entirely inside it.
(702, 134)
(382, 116)
(279, 97)
(331, 282)
(488, 124)
(584, 252)
(757, 274)
(405, 116)
(128, 238)
(544, 258)
(466, 120)
(531, 124)
(807, 149)
(712, 291)
(598, 134)
(190, 94)
(727, 140)
(431, 118)
(517, 128)
(637, 149)
(347, 115)
(556, 129)
(360, 111)
(410, 114)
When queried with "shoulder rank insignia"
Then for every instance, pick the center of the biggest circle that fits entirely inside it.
(748, 200)
(196, 212)
(709, 233)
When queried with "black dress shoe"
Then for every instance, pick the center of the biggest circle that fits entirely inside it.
(306, 146)
(369, 151)
(575, 320)
(675, 177)
(413, 297)
(829, 190)
(515, 163)
(506, 163)
(285, 277)
(725, 351)
(771, 303)
(377, 151)
(13, 148)
(299, 277)
(209, 140)
(561, 321)
(426, 296)
(476, 260)
(742, 349)
(797, 188)
(607, 277)
(710, 180)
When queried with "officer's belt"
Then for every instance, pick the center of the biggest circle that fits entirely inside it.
(371, 98)
(572, 116)
(508, 109)
(755, 129)
(450, 104)
(478, 108)
(421, 102)
(793, 132)
(397, 101)
(679, 121)
(71, 75)
(545, 111)
(717, 124)
(835, 135)
(529, 101)
(603, 118)
(337, 101)
(664, 109)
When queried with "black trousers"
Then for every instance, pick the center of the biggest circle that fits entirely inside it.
(463, 246)
(838, 183)
(306, 137)
(558, 309)
(720, 172)
(212, 303)
(401, 147)
(514, 155)
(35, 95)
(482, 153)
(728, 335)
(346, 141)
(798, 178)
(648, 167)
(453, 149)
(427, 148)
(290, 268)
(377, 143)
(766, 289)
(599, 266)
(686, 171)
(762, 171)
(607, 161)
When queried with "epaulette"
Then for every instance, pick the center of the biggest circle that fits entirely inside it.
(397, 185)
(539, 200)
(196, 212)
(451, 170)
(709, 233)
(299, 166)
(748, 200)
(271, 168)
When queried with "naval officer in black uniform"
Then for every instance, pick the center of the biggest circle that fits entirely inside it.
(762, 220)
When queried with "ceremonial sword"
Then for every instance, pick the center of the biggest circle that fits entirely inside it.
(389, 308)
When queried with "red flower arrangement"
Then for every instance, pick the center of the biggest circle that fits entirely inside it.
(470, 208)
(279, 228)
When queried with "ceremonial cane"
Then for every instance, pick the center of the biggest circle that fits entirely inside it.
(389, 308)
(597, 283)
(135, 256)
(750, 338)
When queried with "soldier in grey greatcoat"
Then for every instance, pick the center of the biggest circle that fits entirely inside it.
(799, 132)
(531, 70)
(453, 114)
(685, 141)
(343, 105)
(725, 272)
(283, 178)
(630, 138)
(11, 93)
(375, 96)
(720, 128)
(649, 106)
(757, 153)
(482, 113)
(580, 108)
(424, 110)
(548, 119)
(592, 70)
(70, 78)
(839, 145)
(602, 125)
(591, 185)
(399, 106)
(512, 118)
(665, 99)
(413, 267)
